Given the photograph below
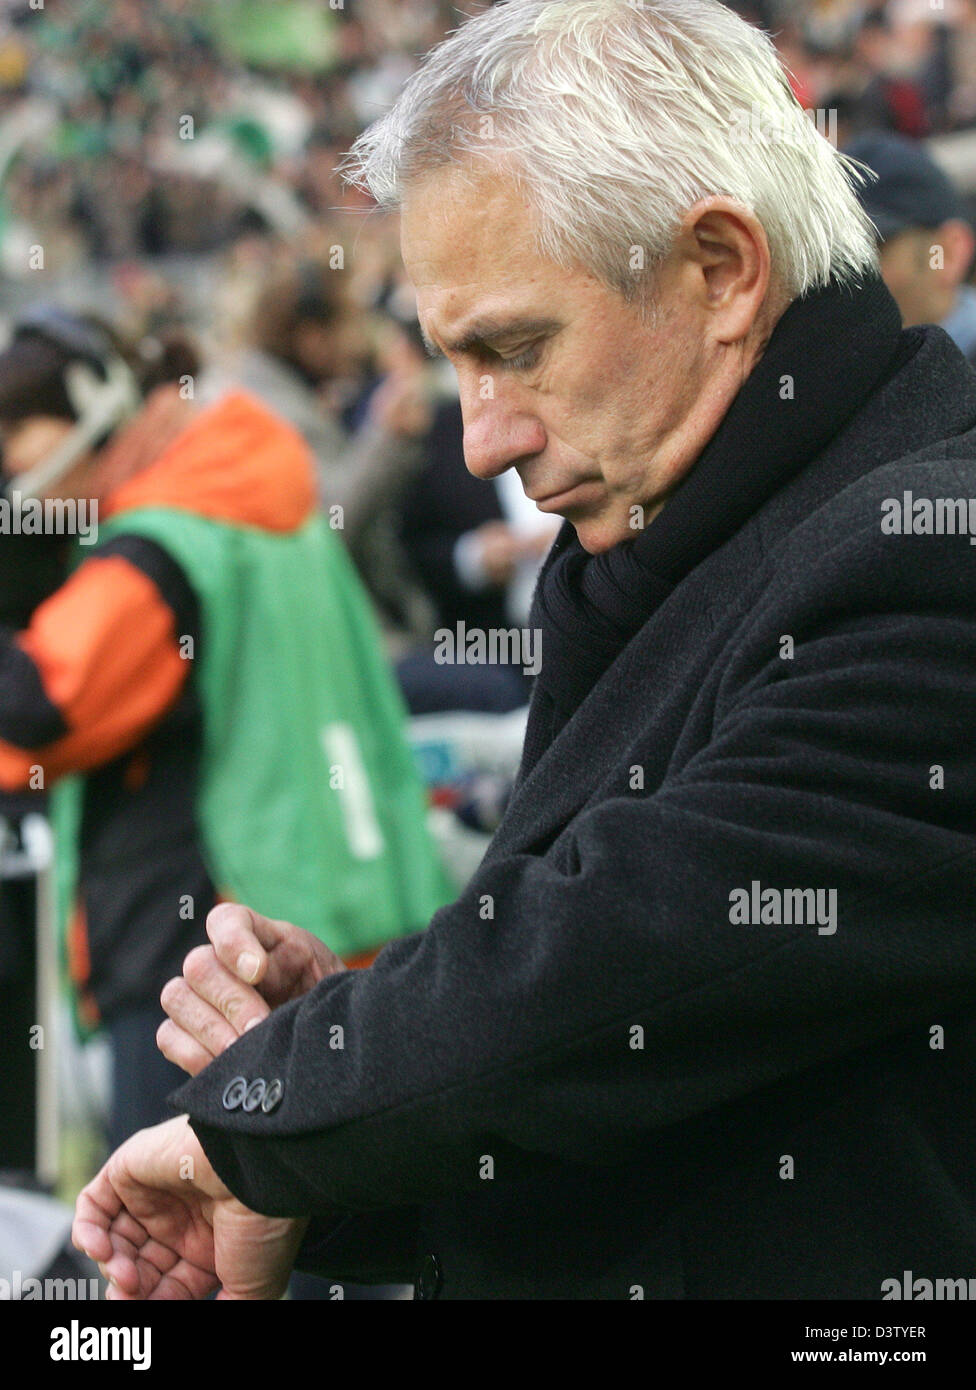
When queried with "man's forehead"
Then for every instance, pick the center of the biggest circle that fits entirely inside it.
(470, 255)
(453, 226)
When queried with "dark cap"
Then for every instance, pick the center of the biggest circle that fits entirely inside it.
(44, 341)
(911, 190)
(32, 380)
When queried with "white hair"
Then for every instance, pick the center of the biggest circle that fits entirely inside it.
(617, 117)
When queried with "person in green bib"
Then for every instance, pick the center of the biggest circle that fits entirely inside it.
(205, 694)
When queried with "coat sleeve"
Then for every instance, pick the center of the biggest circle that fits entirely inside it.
(573, 1006)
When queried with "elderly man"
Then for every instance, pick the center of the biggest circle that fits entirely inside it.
(702, 1023)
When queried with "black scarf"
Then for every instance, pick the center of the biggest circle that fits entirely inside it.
(838, 345)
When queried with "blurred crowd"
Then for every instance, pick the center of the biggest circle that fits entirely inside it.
(104, 90)
(907, 66)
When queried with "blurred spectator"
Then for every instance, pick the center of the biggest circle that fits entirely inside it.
(830, 26)
(478, 551)
(927, 241)
(303, 345)
(889, 97)
(311, 354)
(962, 66)
(211, 669)
(167, 123)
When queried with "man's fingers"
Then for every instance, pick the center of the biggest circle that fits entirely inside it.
(208, 1009)
(280, 959)
(205, 981)
(197, 1016)
(183, 1281)
(212, 982)
(242, 939)
(97, 1206)
(105, 1231)
(178, 1047)
(292, 970)
(91, 1239)
(123, 1274)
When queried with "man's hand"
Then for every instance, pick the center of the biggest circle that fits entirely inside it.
(500, 549)
(253, 965)
(160, 1224)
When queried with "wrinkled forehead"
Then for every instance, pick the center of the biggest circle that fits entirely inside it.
(469, 250)
(463, 222)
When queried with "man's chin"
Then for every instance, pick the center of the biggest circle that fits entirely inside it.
(597, 534)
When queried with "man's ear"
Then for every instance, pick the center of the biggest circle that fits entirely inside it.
(727, 265)
(958, 247)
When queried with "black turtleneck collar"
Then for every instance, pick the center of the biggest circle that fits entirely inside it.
(836, 345)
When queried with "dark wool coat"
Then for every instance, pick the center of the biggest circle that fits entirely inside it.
(597, 1073)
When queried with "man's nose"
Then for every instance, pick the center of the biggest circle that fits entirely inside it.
(497, 431)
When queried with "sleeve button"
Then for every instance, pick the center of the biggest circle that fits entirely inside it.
(273, 1095)
(234, 1093)
(255, 1094)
